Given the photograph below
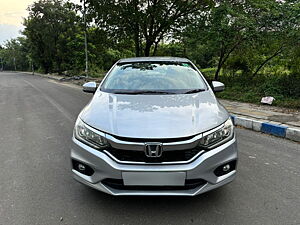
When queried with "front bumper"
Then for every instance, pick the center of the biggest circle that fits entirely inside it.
(202, 167)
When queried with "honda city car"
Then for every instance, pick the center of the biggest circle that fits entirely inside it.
(154, 127)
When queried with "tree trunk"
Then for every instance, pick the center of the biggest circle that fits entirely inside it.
(59, 70)
(147, 48)
(218, 72)
(137, 42)
(221, 61)
(46, 69)
(266, 61)
(155, 48)
(136, 31)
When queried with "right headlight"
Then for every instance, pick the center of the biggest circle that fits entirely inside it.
(217, 137)
(85, 134)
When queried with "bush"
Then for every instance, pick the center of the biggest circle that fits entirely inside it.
(283, 86)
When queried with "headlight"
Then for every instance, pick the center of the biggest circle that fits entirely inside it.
(85, 134)
(214, 138)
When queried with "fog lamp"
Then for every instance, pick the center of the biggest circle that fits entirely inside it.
(226, 167)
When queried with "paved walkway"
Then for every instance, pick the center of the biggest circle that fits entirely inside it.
(265, 113)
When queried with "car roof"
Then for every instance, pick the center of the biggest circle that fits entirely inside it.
(154, 59)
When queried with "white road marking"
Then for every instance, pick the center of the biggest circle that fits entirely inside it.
(53, 103)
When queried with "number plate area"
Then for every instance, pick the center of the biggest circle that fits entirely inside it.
(154, 178)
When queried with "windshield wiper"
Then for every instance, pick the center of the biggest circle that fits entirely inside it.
(142, 92)
(194, 91)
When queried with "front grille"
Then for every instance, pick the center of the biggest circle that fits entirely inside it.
(166, 140)
(119, 184)
(167, 156)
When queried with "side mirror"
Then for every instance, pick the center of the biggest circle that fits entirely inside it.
(218, 86)
(90, 87)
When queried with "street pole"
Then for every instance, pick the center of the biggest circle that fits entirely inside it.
(32, 67)
(1, 64)
(85, 40)
(15, 63)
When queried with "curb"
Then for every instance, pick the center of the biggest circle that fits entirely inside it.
(277, 130)
(41, 75)
(60, 79)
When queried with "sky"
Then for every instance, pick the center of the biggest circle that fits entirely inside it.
(12, 13)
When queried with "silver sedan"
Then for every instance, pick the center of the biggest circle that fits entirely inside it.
(154, 127)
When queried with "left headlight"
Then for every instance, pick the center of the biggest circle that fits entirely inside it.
(85, 134)
(218, 137)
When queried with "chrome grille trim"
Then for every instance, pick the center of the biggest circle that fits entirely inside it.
(150, 163)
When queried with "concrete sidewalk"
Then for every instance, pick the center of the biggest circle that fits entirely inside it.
(281, 116)
(282, 122)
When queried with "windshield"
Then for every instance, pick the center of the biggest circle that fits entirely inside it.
(153, 77)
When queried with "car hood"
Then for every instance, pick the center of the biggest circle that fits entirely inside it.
(154, 116)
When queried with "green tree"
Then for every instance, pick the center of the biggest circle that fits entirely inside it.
(146, 22)
(14, 54)
(279, 32)
(50, 28)
(221, 31)
(275, 37)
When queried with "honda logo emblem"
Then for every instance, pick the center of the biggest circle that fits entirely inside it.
(153, 150)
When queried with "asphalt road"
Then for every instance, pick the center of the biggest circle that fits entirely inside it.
(36, 122)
